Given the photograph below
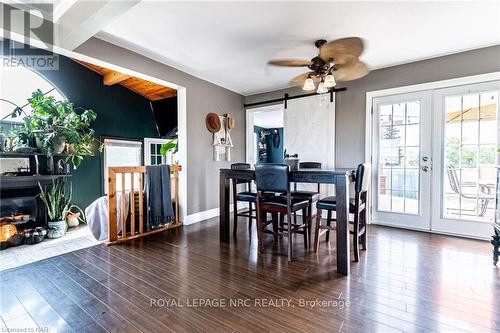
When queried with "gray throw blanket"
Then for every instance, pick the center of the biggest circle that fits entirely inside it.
(158, 196)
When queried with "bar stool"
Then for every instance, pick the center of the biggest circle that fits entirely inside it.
(245, 196)
(357, 206)
(275, 178)
(311, 196)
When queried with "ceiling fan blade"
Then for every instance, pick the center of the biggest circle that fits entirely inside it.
(350, 71)
(335, 49)
(290, 63)
(300, 79)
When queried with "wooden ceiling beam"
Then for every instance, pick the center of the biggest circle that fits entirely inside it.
(113, 77)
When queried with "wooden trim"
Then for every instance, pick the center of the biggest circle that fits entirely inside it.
(126, 235)
(113, 77)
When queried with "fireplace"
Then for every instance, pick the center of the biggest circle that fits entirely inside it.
(22, 207)
(19, 201)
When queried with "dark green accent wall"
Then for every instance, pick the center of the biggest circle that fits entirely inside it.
(274, 154)
(120, 112)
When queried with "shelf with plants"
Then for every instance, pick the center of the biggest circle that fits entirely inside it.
(55, 128)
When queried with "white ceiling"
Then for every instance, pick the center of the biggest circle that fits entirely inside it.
(272, 117)
(229, 43)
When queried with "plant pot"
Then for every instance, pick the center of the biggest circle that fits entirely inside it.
(72, 219)
(59, 144)
(57, 229)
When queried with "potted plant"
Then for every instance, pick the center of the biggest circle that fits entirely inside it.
(56, 126)
(58, 205)
(169, 146)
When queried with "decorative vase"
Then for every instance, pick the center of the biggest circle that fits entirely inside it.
(57, 229)
(72, 219)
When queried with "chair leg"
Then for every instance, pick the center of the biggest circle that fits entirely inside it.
(363, 223)
(355, 237)
(250, 215)
(305, 221)
(290, 246)
(316, 233)
(309, 221)
(328, 223)
(260, 233)
(355, 243)
(235, 216)
(275, 225)
(282, 220)
(295, 218)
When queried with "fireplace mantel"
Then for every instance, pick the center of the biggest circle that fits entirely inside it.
(13, 182)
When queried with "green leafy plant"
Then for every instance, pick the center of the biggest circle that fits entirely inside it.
(168, 146)
(51, 121)
(57, 201)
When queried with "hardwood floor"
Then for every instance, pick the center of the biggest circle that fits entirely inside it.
(406, 281)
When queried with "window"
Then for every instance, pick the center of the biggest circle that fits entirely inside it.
(118, 152)
(152, 154)
(16, 86)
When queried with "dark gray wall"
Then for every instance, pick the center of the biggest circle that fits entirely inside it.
(202, 97)
(351, 104)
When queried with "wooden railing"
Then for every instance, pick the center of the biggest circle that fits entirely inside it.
(130, 174)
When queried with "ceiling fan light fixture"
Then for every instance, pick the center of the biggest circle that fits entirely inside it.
(330, 81)
(321, 88)
(309, 85)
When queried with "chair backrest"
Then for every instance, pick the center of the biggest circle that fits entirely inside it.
(363, 176)
(272, 177)
(453, 178)
(240, 166)
(309, 165)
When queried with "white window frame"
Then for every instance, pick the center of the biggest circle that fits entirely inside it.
(111, 141)
(147, 149)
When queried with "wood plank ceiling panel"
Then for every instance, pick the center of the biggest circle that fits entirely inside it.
(147, 89)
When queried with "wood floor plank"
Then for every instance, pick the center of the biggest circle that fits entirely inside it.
(406, 281)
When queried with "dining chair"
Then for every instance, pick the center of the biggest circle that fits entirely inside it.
(357, 207)
(244, 196)
(275, 178)
(311, 196)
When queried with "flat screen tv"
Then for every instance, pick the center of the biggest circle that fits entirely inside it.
(165, 114)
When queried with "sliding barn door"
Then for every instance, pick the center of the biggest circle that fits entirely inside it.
(310, 131)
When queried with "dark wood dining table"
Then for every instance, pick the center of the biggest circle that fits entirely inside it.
(342, 178)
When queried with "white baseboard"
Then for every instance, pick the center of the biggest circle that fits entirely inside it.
(208, 214)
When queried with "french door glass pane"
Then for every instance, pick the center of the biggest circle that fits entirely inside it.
(469, 155)
(398, 159)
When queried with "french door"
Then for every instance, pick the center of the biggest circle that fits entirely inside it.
(465, 147)
(435, 157)
(402, 160)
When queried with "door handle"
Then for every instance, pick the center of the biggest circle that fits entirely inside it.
(426, 168)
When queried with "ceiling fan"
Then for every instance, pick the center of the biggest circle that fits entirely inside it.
(337, 60)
